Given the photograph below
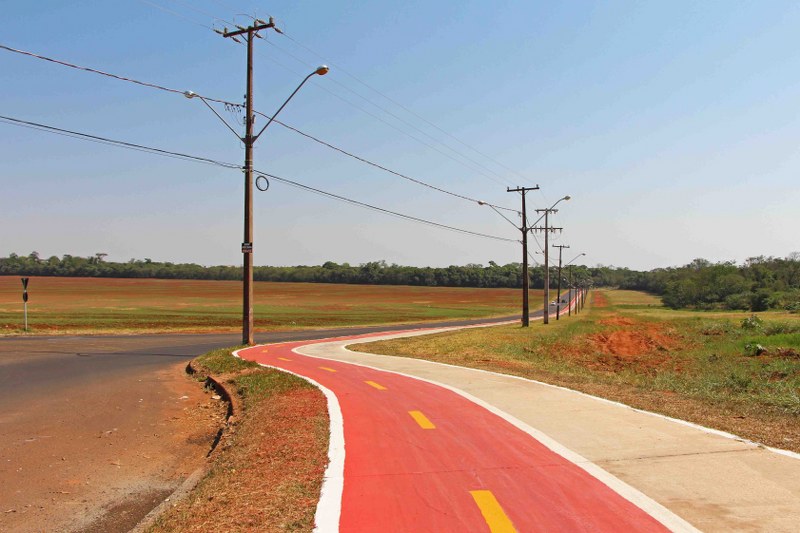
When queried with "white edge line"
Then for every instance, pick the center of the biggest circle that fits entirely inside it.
(639, 499)
(329, 507)
(712, 431)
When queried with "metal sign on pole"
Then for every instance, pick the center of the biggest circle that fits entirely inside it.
(25, 299)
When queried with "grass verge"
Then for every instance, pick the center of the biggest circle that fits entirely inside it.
(722, 369)
(266, 472)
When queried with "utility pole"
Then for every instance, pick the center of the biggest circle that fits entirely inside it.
(526, 280)
(547, 230)
(249, 33)
(569, 299)
(558, 298)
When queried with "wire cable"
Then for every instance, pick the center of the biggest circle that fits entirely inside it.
(385, 169)
(175, 14)
(168, 153)
(383, 210)
(401, 106)
(386, 122)
(225, 102)
(490, 176)
(105, 140)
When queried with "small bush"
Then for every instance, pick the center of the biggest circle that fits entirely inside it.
(753, 322)
(753, 349)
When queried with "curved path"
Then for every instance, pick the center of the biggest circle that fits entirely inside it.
(425, 457)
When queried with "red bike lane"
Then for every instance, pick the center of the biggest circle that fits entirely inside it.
(422, 458)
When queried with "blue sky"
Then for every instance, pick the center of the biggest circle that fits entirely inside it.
(673, 125)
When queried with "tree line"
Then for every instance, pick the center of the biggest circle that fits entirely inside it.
(371, 273)
(757, 284)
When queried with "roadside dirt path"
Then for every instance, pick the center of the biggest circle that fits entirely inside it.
(99, 459)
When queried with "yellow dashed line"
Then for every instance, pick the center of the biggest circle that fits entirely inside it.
(422, 420)
(328, 369)
(376, 385)
(284, 359)
(264, 351)
(492, 512)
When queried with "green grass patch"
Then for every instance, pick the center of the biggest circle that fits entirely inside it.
(720, 368)
(252, 382)
(222, 361)
(262, 385)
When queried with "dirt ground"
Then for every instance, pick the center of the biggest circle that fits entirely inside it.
(101, 460)
(266, 474)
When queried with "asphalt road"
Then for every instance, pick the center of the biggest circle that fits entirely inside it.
(36, 366)
(80, 412)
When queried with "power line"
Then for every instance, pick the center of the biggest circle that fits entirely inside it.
(175, 14)
(382, 210)
(393, 126)
(399, 119)
(408, 110)
(216, 100)
(96, 71)
(188, 5)
(385, 169)
(114, 142)
(179, 155)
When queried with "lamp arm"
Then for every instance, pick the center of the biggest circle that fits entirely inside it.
(281, 107)
(220, 117)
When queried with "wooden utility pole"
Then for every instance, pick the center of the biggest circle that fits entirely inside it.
(547, 230)
(526, 280)
(249, 33)
(558, 298)
(569, 299)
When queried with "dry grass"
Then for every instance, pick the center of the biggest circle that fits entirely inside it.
(100, 305)
(267, 472)
(689, 365)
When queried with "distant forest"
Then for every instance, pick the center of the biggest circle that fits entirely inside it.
(760, 283)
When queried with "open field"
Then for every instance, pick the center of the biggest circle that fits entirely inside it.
(699, 366)
(105, 305)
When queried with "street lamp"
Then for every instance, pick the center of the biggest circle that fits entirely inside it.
(547, 211)
(524, 230)
(249, 140)
(558, 290)
(570, 265)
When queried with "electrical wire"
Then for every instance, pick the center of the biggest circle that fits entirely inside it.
(386, 122)
(179, 155)
(390, 171)
(175, 14)
(399, 119)
(188, 5)
(217, 100)
(105, 140)
(383, 210)
(401, 106)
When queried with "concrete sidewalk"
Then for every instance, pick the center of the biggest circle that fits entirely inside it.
(713, 480)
